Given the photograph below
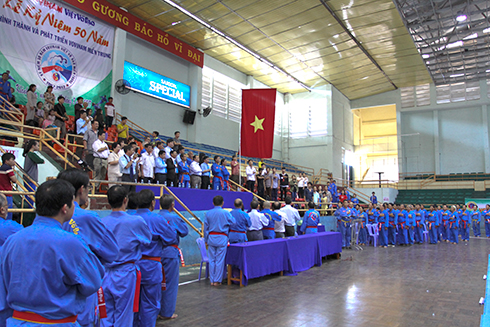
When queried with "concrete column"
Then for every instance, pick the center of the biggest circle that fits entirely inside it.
(285, 128)
(437, 153)
(118, 57)
(195, 81)
(486, 142)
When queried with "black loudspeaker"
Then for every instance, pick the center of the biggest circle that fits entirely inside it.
(189, 117)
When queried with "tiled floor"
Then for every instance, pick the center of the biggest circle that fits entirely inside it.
(422, 285)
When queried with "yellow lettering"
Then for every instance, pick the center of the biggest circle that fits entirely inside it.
(96, 6)
(81, 1)
(137, 26)
(112, 13)
(126, 21)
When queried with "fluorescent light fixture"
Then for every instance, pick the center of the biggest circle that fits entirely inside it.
(487, 71)
(427, 62)
(175, 23)
(486, 30)
(425, 56)
(456, 75)
(471, 36)
(454, 44)
(124, 9)
(461, 18)
(336, 36)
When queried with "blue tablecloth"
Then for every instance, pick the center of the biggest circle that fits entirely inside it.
(291, 255)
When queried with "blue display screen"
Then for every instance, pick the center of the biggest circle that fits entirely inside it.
(150, 83)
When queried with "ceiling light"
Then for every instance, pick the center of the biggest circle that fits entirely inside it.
(425, 56)
(124, 9)
(336, 36)
(427, 62)
(471, 36)
(486, 30)
(455, 44)
(175, 23)
(487, 71)
(365, 78)
(461, 18)
(456, 75)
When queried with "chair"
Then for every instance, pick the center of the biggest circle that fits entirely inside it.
(204, 256)
(426, 234)
(373, 233)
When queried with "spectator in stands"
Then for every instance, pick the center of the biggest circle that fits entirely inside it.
(185, 179)
(260, 183)
(61, 117)
(30, 166)
(268, 182)
(251, 172)
(261, 164)
(309, 193)
(301, 185)
(316, 197)
(158, 147)
(110, 112)
(49, 98)
(235, 172)
(7, 178)
(147, 164)
(172, 169)
(293, 186)
(49, 123)
(217, 174)
(161, 168)
(275, 184)
(284, 178)
(39, 116)
(82, 123)
(196, 172)
(113, 170)
(169, 148)
(154, 136)
(226, 175)
(177, 138)
(146, 141)
(31, 106)
(342, 196)
(326, 200)
(12, 98)
(206, 173)
(373, 199)
(101, 154)
(78, 107)
(354, 199)
(89, 112)
(123, 129)
(99, 117)
(89, 138)
(128, 163)
(5, 87)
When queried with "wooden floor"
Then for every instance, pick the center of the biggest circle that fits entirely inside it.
(422, 285)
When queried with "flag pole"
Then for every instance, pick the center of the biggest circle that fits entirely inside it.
(240, 153)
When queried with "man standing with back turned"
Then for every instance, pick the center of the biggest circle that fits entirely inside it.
(216, 228)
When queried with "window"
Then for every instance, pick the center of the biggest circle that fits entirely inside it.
(308, 119)
(457, 92)
(408, 97)
(278, 116)
(422, 93)
(298, 123)
(223, 94)
(443, 94)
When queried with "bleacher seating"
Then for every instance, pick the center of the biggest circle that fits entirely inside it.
(428, 197)
(472, 176)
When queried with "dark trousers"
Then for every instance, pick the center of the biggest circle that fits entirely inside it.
(205, 182)
(108, 121)
(280, 234)
(255, 235)
(147, 180)
(284, 190)
(274, 194)
(289, 231)
(301, 192)
(89, 159)
(250, 185)
(161, 178)
(129, 188)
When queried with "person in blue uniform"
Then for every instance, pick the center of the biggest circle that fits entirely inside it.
(475, 221)
(354, 199)
(373, 199)
(486, 216)
(464, 223)
(163, 235)
(185, 178)
(7, 227)
(311, 220)
(432, 223)
(459, 211)
(453, 222)
(444, 216)
(334, 192)
(122, 277)
(226, 175)
(343, 215)
(238, 230)
(401, 220)
(217, 174)
(372, 214)
(5, 88)
(268, 231)
(216, 229)
(392, 220)
(410, 224)
(383, 223)
(89, 227)
(419, 224)
(47, 272)
(363, 217)
(171, 257)
(132, 203)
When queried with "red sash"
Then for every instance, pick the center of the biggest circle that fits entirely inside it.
(34, 317)
(136, 303)
(182, 262)
(218, 233)
(237, 231)
(268, 228)
(101, 303)
(311, 226)
(401, 224)
(164, 280)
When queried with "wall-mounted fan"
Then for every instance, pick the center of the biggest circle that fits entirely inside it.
(122, 86)
(205, 112)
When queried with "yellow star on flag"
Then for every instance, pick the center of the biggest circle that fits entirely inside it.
(257, 124)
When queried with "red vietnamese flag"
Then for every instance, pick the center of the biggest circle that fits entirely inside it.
(258, 113)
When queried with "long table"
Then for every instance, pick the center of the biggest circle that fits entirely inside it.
(289, 255)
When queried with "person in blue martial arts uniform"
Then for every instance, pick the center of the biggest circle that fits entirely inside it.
(132, 203)
(333, 191)
(163, 235)
(5, 88)
(216, 229)
(444, 216)
(238, 230)
(354, 199)
(217, 174)
(392, 220)
(226, 175)
(373, 199)
(171, 257)
(464, 223)
(459, 211)
(185, 178)
(475, 221)
(453, 222)
(122, 277)
(432, 223)
(311, 220)
(344, 216)
(419, 224)
(410, 224)
(92, 230)
(7, 227)
(383, 223)
(401, 220)
(372, 214)
(363, 217)
(47, 272)
(268, 231)
(486, 216)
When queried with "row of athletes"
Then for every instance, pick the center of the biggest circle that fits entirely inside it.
(406, 224)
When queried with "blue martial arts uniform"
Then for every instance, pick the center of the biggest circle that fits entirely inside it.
(163, 234)
(48, 272)
(432, 219)
(383, 223)
(402, 236)
(411, 226)
(486, 215)
(444, 216)
(310, 223)
(362, 239)
(419, 227)
(465, 222)
(170, 261)
(120, 281)
(392, 219)
(344, 216)
(226, 178)
(185, 178)
(216, 229)
(475, 222)
(7, 228)
(217, 177)
(453, 223)
(373, 199)
(333, 191)
(355, 201)
(101, 241)
(268, 231)
(238, 230)
(372, 216)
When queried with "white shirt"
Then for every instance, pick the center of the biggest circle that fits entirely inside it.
(258, 220)
(113, 170)
(121, 153)
(147, 164)
(98, 144)
(155, 152)
(301, 182)
(279, 225)
(195, 168)
(110, 109)
(292, 215)
(305, 181)
(167, 152)
(250, 171)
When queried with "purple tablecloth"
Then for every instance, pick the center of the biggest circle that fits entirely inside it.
(291, 255)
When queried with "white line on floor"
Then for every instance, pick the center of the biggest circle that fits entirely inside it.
(189, 282)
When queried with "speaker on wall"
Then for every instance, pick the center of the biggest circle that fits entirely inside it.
(189, 117)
